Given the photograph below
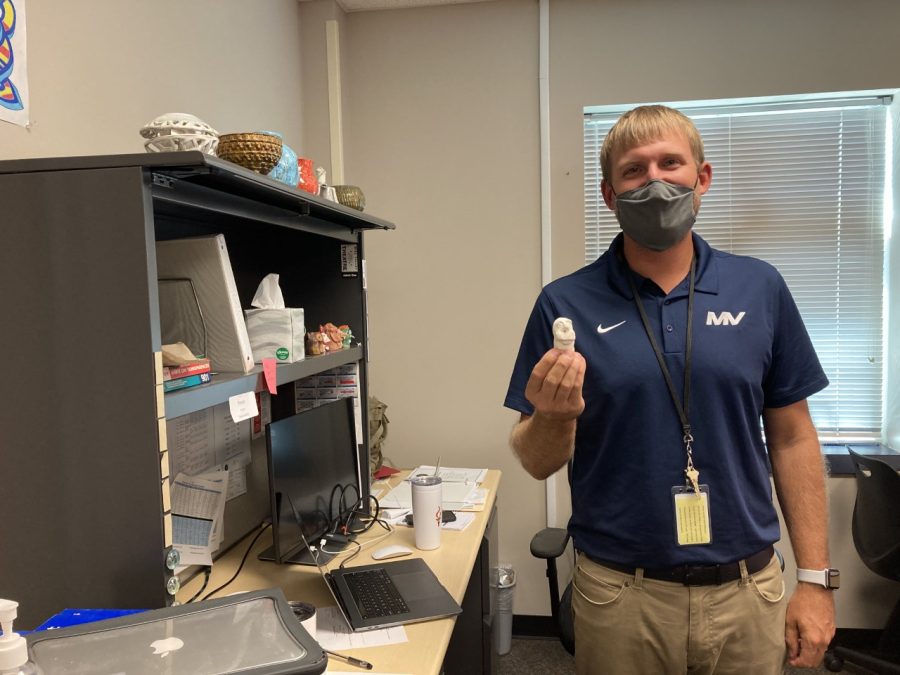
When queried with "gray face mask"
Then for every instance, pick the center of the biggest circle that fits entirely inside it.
(656, 215)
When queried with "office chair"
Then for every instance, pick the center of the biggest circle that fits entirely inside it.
(549, 544)
(876, 535)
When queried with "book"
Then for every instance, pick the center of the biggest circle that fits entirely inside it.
(185, 382)
(199, 303)
(185, 369)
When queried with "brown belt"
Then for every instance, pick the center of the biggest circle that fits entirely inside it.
(698, 575)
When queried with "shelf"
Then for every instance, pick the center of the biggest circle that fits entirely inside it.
(192, 166)
(225, 385)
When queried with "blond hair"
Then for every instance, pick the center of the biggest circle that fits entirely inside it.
(644, 124)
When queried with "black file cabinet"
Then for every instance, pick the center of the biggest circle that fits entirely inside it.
(471, 647)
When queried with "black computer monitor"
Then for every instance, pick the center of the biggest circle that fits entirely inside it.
(313, 477)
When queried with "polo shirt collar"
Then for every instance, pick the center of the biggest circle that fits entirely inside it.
(707, 280)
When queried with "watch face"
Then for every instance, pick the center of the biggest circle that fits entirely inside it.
(833, 578)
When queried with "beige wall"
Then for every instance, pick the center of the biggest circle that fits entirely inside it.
(441, 131)
(100, 69)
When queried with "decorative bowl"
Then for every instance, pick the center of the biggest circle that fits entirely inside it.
(175, 142)
(286, 170)
(179, 131)
(256, 151)
(350, 195)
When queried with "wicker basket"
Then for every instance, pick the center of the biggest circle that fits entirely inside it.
(350, 195)
(259, 152)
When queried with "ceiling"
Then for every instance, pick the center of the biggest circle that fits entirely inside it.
(366, 5)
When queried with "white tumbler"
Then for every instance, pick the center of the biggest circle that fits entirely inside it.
(426, 504)
(306, 615)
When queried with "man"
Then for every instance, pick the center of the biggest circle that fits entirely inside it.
(679, 350)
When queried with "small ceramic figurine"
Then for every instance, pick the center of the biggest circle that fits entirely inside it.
(325, 190)
(334, 337)
(348, 335)
(315, 343)
(563, 334)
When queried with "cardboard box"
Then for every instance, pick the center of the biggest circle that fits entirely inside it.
(326, 381)
(276, 334)
(305, 393)
(346, 381)
(300, 406)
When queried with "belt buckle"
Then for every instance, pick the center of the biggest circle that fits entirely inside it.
(701, 575)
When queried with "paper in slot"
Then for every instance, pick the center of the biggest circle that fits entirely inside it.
(199, 303)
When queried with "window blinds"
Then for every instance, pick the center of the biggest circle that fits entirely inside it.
(801, 186)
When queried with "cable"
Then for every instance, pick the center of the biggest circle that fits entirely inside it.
(243, 560)
(364, 515)
(366, 544)
(344, 515)
(206, 572)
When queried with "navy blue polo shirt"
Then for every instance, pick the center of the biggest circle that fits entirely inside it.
(751, 351)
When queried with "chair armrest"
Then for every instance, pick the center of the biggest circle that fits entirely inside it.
(550, 542)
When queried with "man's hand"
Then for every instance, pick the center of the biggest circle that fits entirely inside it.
(809, 625)
(545, 440)
(554, 388)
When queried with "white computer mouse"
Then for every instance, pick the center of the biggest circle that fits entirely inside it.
(394, 551)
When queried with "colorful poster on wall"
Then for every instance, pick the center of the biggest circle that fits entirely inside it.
(13, 77)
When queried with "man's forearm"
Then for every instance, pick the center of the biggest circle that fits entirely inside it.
(799, 476)
(543, 445)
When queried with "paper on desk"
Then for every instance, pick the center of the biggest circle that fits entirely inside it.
(463, 519)
(451, 475)
(198, 514)
(455, 497)
(398, 517)
(332, 632)
(394, 516)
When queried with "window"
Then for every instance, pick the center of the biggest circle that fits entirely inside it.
(800, 184)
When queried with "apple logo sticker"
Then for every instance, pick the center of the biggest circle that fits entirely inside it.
(163, 647)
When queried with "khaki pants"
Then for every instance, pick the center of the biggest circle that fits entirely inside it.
(628, 625)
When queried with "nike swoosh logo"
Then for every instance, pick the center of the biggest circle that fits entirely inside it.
(602, 330)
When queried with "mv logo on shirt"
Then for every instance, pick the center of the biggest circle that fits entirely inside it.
(723, 318)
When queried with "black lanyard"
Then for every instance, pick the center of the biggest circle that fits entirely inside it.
(683, 409)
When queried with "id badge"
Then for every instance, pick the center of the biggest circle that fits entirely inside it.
(692, 526)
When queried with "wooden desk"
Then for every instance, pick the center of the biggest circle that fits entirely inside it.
(453, 563)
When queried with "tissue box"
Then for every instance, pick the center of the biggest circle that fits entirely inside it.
(276, 334)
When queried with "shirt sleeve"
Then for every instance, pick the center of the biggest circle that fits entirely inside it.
(795, 372)
(536, 341)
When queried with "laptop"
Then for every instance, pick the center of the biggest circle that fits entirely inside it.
(387, 593)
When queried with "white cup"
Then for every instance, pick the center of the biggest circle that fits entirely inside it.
(306, 614)
(426, 503)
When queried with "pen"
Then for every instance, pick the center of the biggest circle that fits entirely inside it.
(359, 663)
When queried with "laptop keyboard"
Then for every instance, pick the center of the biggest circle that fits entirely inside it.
(375, 593)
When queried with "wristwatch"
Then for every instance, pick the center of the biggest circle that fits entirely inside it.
(829, 577)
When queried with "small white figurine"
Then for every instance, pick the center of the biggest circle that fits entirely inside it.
(563, 334)
(325, 190)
